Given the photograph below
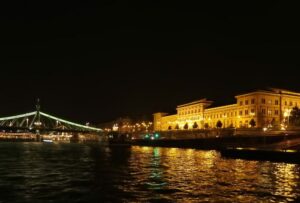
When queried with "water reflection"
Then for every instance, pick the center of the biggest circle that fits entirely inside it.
(286, 177)
(90, 173)
(204, 175)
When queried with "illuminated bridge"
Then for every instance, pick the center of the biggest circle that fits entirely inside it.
(38, 122)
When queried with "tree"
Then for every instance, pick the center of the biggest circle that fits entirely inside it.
(219, 124)
(186, 126)
(206, 126)
(195, 125)
(273, 122)
(170, 128)
(252, 123)
(230, 126)
(177, 127)
(295, 116)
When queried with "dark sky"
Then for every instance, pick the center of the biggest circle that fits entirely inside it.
(98, 60)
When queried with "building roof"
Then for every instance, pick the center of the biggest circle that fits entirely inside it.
(283, 91)
(201, 101)
(221, 107)
(272, 91)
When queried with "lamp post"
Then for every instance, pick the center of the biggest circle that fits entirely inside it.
(287, 114)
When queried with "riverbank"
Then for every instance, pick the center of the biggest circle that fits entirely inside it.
(278, 148)
(219, 143)
(287, 156)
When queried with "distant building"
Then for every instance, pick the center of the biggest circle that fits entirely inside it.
(264, 107)
(127, 125)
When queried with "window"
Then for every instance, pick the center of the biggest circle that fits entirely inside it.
(276, 102)
(252, 101)
(246, 102)
(246, 112)
(291, 103)
(241, 113)
(263, 111)
(285, 103)
(263, 101)
(270, 101)
(269, 112)
(276, 112)
(246, 124)
(252, 111)
(241, 103)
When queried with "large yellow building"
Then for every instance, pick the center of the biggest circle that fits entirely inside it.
(264, 107)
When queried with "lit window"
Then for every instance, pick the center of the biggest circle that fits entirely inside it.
(270, 101)
(270, 112)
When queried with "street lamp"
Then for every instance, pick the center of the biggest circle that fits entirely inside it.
(287, 114)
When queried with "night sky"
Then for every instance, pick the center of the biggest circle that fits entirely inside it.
(94, 61)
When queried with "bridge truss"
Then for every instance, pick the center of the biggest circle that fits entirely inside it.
(39, 121)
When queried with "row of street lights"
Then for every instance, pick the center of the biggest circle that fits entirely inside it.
(143, 126)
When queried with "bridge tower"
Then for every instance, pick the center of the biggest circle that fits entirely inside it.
(37, 122)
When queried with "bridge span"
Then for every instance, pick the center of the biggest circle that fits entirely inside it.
(40, 125)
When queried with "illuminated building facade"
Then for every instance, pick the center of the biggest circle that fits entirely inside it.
(261, 108)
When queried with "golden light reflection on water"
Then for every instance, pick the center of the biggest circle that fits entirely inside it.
(206, 173)
(286, 178)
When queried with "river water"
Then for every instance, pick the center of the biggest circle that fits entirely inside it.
(40, 172)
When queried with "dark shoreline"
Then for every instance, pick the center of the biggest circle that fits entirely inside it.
(242, 147)
(286, 156)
